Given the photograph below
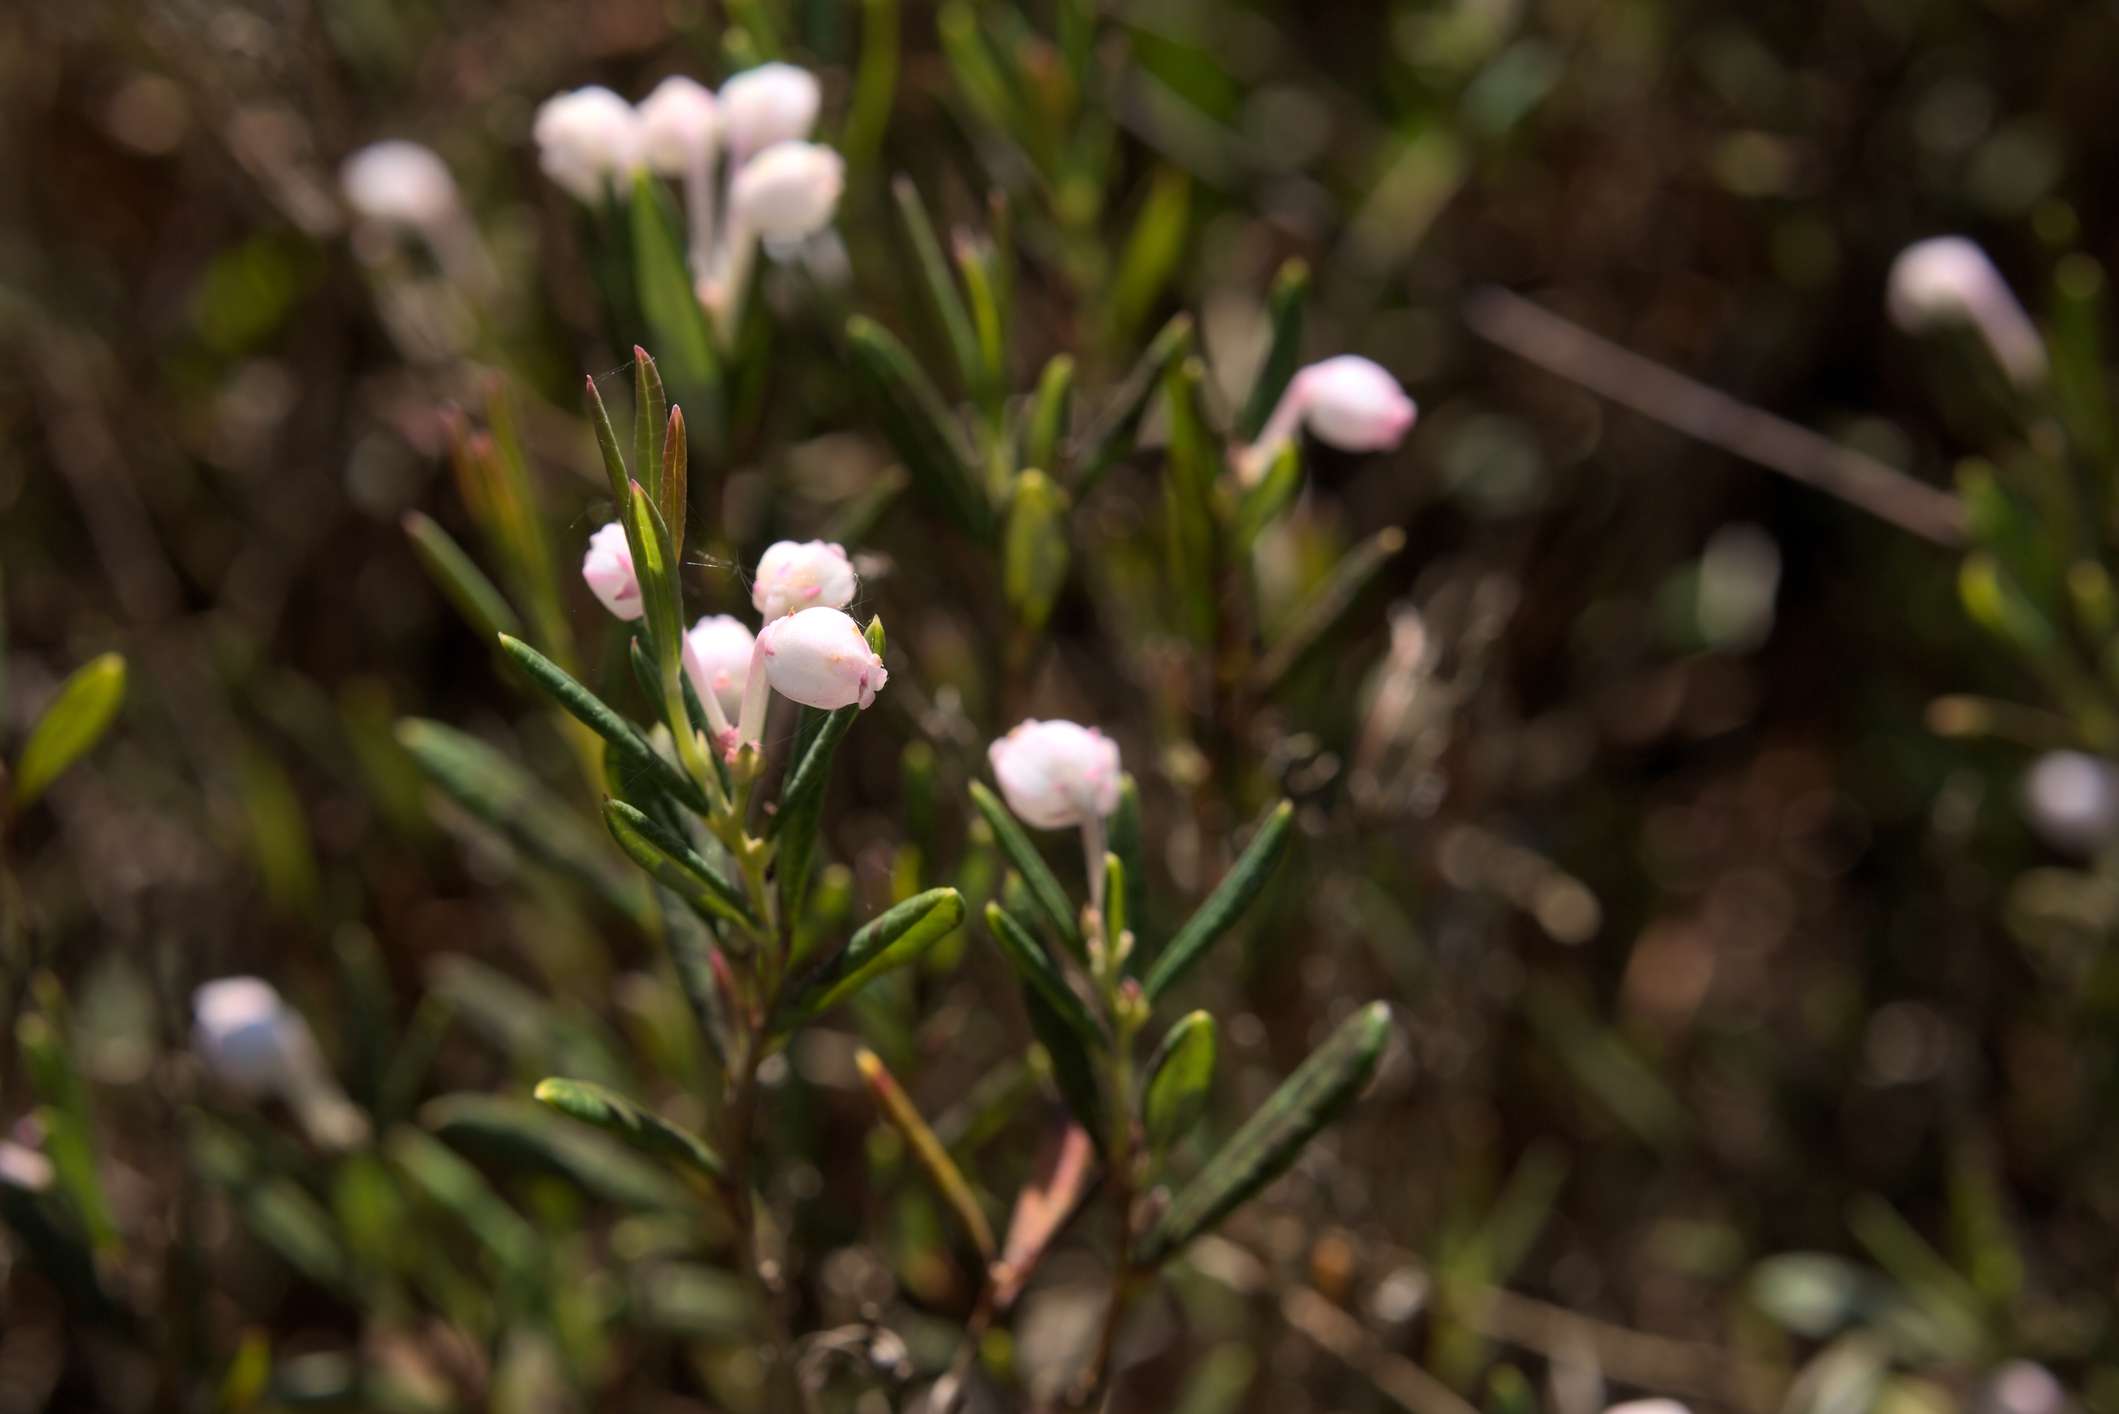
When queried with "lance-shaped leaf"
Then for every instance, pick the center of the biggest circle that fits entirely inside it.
(63, 1112)
(457, 1187)
(1260, 504)
(651, 411)
(1034, 548)
(1045, 425)
(1125, 841)
(1116, 917)
(1113, 435)
(794, 825)
(656, 565)
(523, 1132)
(1150, 255)
(613, 1113)
(1051, 899)
(942, 295)
(641, 760)
(606, 440)
(898, 1108)
(1291, 287)
(1042, 1209)
(673, 496)
(1192, 468)
(1269, 1142)
(984, 293)
(474, 597)
(917, 423)
(1179, 1075)
(74, 722)
(492, 787)
(676, 322)
(895, 938)
(674, 864)
(1226, 904)
(1029, 960)
(1307, 628)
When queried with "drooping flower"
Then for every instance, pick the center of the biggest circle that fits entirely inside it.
(679, 126)
(820, 658)
(1348, 402)
(768, 104)
(1055, 774)
(1947, 280)
(588, 140)
(787, 191)
(795, 575)
(256, 1045)
(400, 184)
(717, 655)
(608, 569)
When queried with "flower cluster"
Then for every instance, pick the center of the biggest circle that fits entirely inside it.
(742, 156)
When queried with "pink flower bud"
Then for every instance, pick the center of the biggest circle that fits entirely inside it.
(1349, 402)
(787, 191)
(678, 126)
(586, 140)
(246, 1035)
(717, 657)
(1948, 280)
(771, 103)
(794, 576)
(2072, 800)
(1056, 774)
(399, 184)
(820, 658)
(608, 568)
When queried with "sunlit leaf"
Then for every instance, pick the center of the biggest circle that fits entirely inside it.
(83, 710)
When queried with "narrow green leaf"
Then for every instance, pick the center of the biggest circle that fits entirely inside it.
(521, 1132)
(1271, 1139)
(1226, 904)
(918, 425)
(69, 1125)
(492, 787)
(1115, 920)
(613, 1113)
(476, 599)
(976, 260)
(674, 864)
(1260, 504)
(656, 565)
(1314, 620)
(1113, 435)
(1179, 1075)
(1045, 429)
(1192, 468)
(458, 1188)
(794, 825)
(942, 295)
(1029, 959)
(875, 83)
(591, 711)
(74, 722)
(1051, 899)
(927, 1150)
(650, 412)
(606, 440)
(1034, 548)
(1284, 307)
(1123, 835)
(895, 938)
(676, 481)
(1151, 254)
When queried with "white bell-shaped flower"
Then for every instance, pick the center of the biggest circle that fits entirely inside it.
(795, 575)
(1947, 280)
(820, 658)
(399, 184)
(608, 569)
(2071, 799)
(717, 654)
(588, 141)
(771, 103)
(787, 191)
(1056, 774)
(679, 126)
(256, 1045)
(1348, 402)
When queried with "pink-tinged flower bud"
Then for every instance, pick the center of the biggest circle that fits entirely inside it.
(587, 140)
(717, 656)
(399, 184)
(787, 191)
(1351, 403)
(244, 1033)
(802, 575)
(24, 1168)
(1056, 774)
(1947, 280)
(608, 568)
(820, 658)
(2021, 1387)
(771, 103)
(2072, 800)
(679, 126)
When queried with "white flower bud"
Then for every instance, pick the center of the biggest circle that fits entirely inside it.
(399, 184)
(587, 140)
(1056, 774)
(820, 658)
(771, 103)
(244, 1033)
(1947, 280)
(788, 191)
(25, 1168)
(2021, 1387)
(679, 126)
(2072, 800)
(1351, 403)
(717, 655)
(802, 575)
(608, 568)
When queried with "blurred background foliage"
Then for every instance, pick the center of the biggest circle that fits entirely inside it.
(1739, 1062)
